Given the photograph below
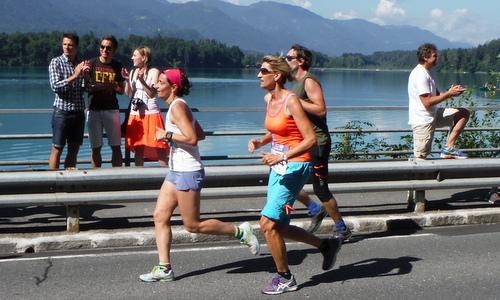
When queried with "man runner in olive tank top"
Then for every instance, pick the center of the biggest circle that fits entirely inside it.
(308, 89)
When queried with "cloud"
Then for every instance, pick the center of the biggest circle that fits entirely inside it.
(460, 25)
(344, 15)
(303, 3)
(388, 11)
(436, 13)
(388, 8)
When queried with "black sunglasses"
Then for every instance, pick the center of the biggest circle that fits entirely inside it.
(265, 71)
(290, 58)
(109, 48)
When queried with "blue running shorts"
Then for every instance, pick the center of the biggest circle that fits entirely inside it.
(282, 190)
(184, 181)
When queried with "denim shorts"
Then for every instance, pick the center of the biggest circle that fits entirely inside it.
(282, 190)
(185, 181)
(67, 126)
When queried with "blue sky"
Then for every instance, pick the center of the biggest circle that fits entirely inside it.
(474, 22)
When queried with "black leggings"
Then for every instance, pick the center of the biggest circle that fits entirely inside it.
(319, 161)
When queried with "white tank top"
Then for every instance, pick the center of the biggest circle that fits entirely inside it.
(151, 106)
(183, 157)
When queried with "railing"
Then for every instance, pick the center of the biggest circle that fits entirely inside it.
(251, 109)
(223, 157)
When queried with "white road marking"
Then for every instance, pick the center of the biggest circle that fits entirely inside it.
(123, 253)
(180, 250)
(402, 236)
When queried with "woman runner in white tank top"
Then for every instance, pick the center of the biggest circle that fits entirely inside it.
(183, 157)
(184, 181)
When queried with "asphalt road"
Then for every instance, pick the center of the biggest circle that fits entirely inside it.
(461, 262)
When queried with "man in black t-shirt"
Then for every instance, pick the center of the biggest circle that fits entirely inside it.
(105, 82)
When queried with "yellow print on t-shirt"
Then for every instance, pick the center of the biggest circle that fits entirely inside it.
(103, 75)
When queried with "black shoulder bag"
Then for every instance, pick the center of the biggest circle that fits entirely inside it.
(127, 113)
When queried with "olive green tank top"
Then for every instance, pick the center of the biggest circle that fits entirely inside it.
(319, 124)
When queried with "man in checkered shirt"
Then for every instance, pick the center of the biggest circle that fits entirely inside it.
(68, 118)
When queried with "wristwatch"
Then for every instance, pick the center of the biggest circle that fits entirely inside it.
(168, 136)
(284, 157)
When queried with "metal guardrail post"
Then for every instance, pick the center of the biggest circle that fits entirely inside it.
(73, 218)
(410, 198)
(416, 200)
(420, 201)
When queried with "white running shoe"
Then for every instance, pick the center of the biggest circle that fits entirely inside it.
(158, 274)
(249, 238)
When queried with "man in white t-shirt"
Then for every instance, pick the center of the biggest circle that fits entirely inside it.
(425, 115)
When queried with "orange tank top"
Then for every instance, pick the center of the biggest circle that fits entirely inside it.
(284, 131)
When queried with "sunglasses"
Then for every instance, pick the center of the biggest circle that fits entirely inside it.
(290, 58)
(265, 71)
(108, 48)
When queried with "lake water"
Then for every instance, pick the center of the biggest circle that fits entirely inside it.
(29, 88)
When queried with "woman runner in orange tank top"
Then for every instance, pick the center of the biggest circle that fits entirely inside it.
(291, 136)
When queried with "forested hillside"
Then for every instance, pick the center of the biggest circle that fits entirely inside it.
(36, 49)
(480, 59)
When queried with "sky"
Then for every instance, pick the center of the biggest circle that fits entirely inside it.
(474, 22)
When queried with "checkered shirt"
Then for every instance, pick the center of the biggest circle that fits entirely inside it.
(68, 95)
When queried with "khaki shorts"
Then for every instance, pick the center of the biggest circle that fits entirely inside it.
(424, 134)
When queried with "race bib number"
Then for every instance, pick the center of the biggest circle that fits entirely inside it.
(279, 168)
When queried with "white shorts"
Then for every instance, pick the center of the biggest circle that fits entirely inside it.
(109, 120)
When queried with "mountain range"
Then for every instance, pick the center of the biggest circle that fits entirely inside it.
(264, 26)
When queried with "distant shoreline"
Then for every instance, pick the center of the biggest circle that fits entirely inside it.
(360, 69)
(387, 70)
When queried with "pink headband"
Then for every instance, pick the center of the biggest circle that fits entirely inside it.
(173, 76)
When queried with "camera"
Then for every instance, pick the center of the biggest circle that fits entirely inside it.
(136, 103)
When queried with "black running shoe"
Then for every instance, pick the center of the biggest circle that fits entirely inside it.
(330, 248)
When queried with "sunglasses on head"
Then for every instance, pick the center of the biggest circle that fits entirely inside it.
(265, 71)
(109, 48)
(290, 58)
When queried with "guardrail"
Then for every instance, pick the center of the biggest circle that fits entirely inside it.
(73, 188)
